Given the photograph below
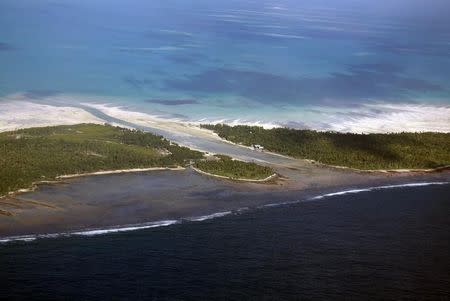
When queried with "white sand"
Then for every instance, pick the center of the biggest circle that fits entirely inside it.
(24, 114)
(21, 110)
(388, 118)
(235, 179)
(118, 171)
(178, 127)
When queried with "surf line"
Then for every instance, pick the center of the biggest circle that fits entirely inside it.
(164, 223)
(116, 229)
(368, 189)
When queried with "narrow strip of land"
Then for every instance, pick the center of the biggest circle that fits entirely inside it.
(33, 156)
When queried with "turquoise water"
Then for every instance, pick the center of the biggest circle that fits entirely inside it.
(264, 61)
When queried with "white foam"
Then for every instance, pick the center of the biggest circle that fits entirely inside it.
(22, 114)
(17, 238)
(385, 117)
(164, 223)
(146, 49)
(111, 230)
(368, 189)
(210, 216)
(277, 8)
(130, 116)
(176, 32)
(92, 232)
(341, 193)
(279, 204)
(353, 191)
(20, 110)
(126, 228)
(285, 36)
(363, 53)
(243, 209)
(271, 205)
(234, 122)
(367, 118)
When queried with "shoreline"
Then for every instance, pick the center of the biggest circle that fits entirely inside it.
(118, 171)
(317, 163)
(384, 171)
(184, 130)
(279, 162)
(162, 221)
(271, 177)
(59, 179)
(197, 131)
(142, 198)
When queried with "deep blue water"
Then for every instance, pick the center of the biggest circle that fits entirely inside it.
(386, 244)
(269, 61)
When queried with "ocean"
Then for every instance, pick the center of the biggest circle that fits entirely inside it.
(348, 65)
(339, 65)
(384, 244)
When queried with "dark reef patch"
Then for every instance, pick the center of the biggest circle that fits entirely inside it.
(38, 94)
(357, 82)
(6, 47)
(186, 59)
(136, 83)
(173, 102)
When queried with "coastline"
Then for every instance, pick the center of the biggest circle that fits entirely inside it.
(316, 163)
(175, 130)
(252, 156)
(118, 171)
(201, 133)
(137, 197)
(385, 171)
(59, 179)
(18, 113)
(181, 197)
(271, 177)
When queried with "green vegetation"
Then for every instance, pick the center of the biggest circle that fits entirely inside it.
(234, 169)
(372, 151)
(37, 154)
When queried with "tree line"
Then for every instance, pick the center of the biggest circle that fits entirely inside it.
(36, 154)
(362, 151)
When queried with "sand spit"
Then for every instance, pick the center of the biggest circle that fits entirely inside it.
(180, 128)
(118, 171)
(271, 177)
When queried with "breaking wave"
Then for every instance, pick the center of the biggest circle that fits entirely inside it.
(353, 191)
(165, 223)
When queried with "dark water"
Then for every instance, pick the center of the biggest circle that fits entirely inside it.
(385, 244)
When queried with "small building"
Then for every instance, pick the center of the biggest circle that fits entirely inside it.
(257, 147)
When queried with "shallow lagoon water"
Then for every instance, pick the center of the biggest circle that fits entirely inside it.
(132, 201)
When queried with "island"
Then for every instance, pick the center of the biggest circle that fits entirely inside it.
(188, 173)
(400, 151)
(226, 167)
(45, 154)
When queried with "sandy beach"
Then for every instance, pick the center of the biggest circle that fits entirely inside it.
(271, 177)
(117, 171)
